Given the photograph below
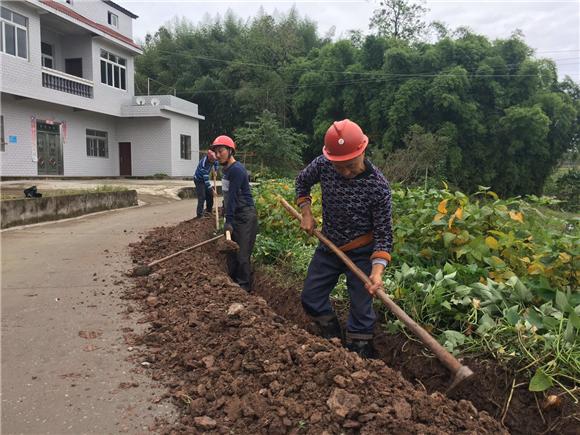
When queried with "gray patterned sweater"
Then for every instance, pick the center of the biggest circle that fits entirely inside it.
(353, 207)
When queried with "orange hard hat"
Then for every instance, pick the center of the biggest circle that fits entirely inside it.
(344, 140)
(225, 141)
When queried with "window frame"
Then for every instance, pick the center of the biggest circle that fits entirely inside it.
(17, 39)
(47, 56)
(94, 140)
(113, 22)
(114, 66)
(185, 146)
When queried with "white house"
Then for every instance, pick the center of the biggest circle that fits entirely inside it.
(68, 101)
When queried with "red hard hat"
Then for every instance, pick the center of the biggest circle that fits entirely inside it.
(225, 141)
(344, 140)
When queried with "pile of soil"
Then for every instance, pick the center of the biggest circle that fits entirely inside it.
(236, 366)
(500, 391)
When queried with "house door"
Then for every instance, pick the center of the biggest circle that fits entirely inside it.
(74, 66)
(125, 158)
(49, 149)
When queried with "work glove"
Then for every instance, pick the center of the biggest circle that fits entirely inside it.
(228, 227)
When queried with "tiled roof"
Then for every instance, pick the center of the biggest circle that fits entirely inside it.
(68, 11)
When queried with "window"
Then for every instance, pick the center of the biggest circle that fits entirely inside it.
(2, 140)
(113, 19)
(113, 70)
(47, 55)
(185, 147)
(97, 143)
(13, 33)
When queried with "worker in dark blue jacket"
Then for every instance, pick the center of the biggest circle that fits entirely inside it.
(202, 182)
(239, 210)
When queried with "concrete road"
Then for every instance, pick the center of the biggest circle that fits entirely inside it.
(64, 368)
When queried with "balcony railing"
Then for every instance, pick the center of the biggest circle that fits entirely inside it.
(63, 82)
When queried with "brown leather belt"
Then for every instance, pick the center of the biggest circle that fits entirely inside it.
(359, 242)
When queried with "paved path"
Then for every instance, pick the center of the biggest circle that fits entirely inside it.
(59, 279)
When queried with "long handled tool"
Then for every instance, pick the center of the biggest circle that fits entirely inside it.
(215, 204)
(460, 372)
(146, 269)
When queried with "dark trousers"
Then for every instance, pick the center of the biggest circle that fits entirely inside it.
(204, 195)
(323, 273)
(245, 229)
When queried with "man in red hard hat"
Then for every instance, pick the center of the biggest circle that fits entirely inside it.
(239, 210)
(356, 215)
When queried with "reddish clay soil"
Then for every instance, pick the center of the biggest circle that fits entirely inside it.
(234, 365)
(489, 390)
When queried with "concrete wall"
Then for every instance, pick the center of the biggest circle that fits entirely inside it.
(150, 144)
(34, 210)
(96, 10)
(190, 127)
(23, 77)
(18, 159)
(105, 94)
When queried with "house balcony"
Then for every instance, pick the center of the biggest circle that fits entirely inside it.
(68, 83)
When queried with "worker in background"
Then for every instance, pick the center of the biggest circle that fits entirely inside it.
(356, 216)
(239, 210)
(203, 187)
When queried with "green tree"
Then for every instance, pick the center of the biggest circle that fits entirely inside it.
(276, 147)
(399, 19)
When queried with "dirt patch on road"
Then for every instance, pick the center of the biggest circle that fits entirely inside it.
(236, 366)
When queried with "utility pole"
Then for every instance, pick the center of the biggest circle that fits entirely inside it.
(147, 86)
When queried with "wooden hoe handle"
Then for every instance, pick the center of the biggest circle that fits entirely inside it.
(440, 352)
(215, 204)
(184, 250)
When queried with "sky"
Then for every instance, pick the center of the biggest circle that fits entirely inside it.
(551, 28)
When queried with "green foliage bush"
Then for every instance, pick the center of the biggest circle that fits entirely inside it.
(566, 187)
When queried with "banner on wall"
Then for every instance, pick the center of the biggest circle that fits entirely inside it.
(33, 141)
(63, 131)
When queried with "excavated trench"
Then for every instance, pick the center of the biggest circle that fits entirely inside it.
(239, 363)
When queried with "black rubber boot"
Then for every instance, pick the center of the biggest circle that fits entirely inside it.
(361, 344)
(364, 348)
(329, 327)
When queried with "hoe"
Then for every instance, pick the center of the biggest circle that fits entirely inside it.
(225, 246)
(459, 371)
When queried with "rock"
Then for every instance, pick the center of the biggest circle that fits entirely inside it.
(154, 276)
(342, 402)
(233, 408)
(340, 381)
(205, 422)
(320, 356)
(351, 424)
(316, 417)
(366, 417)
(402, 409)
(360, 375)
(152, 300)
(208, 361)
(235, 309)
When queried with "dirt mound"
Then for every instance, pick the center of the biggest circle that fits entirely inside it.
(502, 392)
(235, 366)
